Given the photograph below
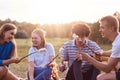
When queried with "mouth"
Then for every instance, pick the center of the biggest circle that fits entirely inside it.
(9, 39)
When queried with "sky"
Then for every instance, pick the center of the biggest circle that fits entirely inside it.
(57, 11)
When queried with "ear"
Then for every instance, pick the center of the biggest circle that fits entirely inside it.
(111, 29)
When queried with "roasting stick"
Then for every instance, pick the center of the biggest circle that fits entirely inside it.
(40, 50)
(100, 58)
(52, 60)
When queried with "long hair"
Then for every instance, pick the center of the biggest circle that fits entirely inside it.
(5, 27)
(41, 34)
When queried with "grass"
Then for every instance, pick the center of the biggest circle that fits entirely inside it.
(23, 46)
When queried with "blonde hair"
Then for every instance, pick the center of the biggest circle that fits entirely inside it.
(41, 33)
(111, 21)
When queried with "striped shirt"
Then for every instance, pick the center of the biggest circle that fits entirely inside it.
(69, 50)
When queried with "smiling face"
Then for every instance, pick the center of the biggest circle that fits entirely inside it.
(36, 40)
(9, 35)
(105, 30)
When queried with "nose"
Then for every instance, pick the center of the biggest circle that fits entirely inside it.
(100, 30)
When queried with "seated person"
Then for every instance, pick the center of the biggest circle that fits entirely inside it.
(79, 70)
(8, 52)
(43, 54)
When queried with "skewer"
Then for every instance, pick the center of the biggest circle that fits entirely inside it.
(100, 58)
(27, 55)
(52, 60)
(40, 50)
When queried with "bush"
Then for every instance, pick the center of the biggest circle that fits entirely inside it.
(21, 34)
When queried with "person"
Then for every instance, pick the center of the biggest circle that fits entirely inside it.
(109, 28)
(38, 62)
(79, 70)
(8, 51)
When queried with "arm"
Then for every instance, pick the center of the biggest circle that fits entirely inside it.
(9, 61)
(13, 58)
(112, 62)
(31, 70)
(106, 53)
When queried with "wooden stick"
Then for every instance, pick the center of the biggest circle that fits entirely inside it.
(101, 58)
(27, 55)
(97, 57)
(52, 60)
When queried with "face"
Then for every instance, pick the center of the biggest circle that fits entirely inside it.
(36, 40)
(104, 30)
(80, 41)
(9, 35)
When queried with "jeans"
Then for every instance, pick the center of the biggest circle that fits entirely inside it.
(75, 73)
(118, 75)
(42, 73)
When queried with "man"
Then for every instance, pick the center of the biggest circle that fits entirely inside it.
(109, 28)
(79, 70)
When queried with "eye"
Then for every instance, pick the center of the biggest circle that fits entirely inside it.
(12, 33)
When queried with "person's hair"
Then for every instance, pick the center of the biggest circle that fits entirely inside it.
(81, 29)
(41, 34)
(4, 28)
(111, 21)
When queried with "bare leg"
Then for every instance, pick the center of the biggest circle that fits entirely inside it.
(10, 76)
(107, 76)
(4, 71)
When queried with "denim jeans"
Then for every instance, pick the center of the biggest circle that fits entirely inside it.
(42, 73)
(75, 73)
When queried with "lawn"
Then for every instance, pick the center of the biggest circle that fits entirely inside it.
(23, 46)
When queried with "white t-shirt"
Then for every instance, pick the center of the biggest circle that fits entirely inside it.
(41, 58)
(116, 47)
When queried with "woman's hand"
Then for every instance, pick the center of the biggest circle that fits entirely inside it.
(15, 60)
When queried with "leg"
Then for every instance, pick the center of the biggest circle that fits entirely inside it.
(118, 75)
(107, 76)
(87, 75)
(95, 73)
(44, 75)
(70, 74)
(4, 71)
(77, 70)
(10, 76)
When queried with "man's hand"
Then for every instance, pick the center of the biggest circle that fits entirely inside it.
(84, 56)
(62, 67)
(78, 57)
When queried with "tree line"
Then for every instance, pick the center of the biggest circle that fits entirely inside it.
(57, 30)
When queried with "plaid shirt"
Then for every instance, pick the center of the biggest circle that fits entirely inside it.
(69, 50)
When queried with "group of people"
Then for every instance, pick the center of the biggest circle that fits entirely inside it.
(82, 55)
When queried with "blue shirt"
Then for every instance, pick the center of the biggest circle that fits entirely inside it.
(69, 51)
(5, 51)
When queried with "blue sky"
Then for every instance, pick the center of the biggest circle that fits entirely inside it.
(57, 11)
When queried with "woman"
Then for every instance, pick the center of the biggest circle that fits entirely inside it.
(8, 51)
(44, 52)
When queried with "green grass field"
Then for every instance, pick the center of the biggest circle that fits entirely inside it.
(23, 46)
